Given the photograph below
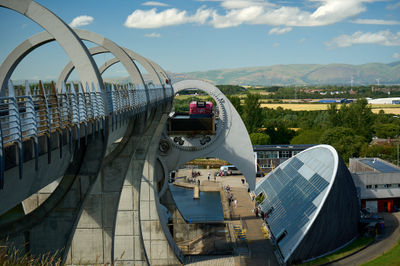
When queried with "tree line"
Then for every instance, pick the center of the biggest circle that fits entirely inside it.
(349, 128)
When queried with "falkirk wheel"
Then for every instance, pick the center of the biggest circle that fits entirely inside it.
(103, 203)
(231, 141)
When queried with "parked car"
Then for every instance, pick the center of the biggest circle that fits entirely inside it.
(230, 170)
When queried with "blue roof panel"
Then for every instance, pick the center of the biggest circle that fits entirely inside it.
(380, 166)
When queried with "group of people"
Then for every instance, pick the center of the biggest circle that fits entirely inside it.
(215, 176)
(231, 198)
(259, 213)
(195, 174)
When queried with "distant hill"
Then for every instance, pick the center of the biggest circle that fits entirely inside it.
(295, 74)
(307, 74)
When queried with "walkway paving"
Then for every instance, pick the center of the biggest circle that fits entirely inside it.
(211, 260)
(261, 251)
(383, 243)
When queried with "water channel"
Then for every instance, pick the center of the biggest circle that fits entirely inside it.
(207, 208)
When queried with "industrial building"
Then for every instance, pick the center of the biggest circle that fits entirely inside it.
(392, 100)
(377, 182)
(310, 204)
(268, 157)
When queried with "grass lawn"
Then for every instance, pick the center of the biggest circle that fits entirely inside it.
(352, 247)
(213, 163)
(392, 257)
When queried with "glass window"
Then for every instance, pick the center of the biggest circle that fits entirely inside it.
(369, 186)
(284, 154)
(272, 154)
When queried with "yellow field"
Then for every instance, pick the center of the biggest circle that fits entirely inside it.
(189, 97)
(395, 111)
(388, 109)
(296, 107)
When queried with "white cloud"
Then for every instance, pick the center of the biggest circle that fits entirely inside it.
(236, 17)
(146, 19)
(154, 3)
(238, 12)
(81, 21)
(153, 35)
(244, 3)
(396, 55)
(151, 19)
(376, 21)
(279, 31)
(393, 6)
(386, 38)
(326, 12)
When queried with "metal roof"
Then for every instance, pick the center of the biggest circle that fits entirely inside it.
(282, 147)
(295, 192)
(380, 165)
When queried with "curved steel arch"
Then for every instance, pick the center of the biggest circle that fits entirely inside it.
(59, 31)
(160, 72)
(37, 40)
(99, 50)
(159, 69)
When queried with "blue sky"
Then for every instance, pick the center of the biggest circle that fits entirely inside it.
(193, 35)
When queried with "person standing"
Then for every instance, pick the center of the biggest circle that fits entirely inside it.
(209, 176)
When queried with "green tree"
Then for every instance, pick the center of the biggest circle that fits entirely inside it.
(235, 100)
(252, 112)
(358, 116)
(279, 132)
(333, 119)
(384, 151)
(345, 141)
(386, 130)
(307, 136)
(260, 139)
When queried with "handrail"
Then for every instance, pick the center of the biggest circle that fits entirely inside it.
(38, 111)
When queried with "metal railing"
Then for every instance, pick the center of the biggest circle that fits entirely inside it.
(31, 112)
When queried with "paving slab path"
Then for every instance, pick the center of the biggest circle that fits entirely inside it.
(261, 251)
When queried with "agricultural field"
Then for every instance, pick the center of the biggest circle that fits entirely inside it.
(387, 108)
(296, 107)
(288, 104)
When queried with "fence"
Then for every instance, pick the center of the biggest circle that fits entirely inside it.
(40, 112)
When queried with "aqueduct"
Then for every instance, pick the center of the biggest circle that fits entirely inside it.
(89, 161)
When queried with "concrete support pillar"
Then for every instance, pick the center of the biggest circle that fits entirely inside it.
(92, 241)
(159, 245)
(48, 229)
(119, 220)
